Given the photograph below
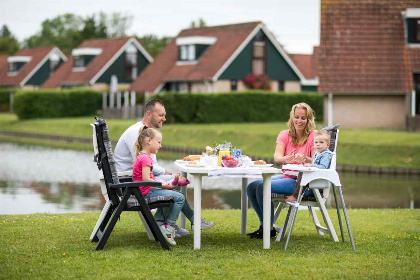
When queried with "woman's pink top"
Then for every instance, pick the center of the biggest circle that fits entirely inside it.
(142, 160)
(285, 139)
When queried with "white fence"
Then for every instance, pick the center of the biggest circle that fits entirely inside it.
(121, 105)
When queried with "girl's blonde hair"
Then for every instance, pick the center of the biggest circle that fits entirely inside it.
(310, 125)
(144, 133)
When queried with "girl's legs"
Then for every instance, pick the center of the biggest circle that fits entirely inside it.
(175, 209)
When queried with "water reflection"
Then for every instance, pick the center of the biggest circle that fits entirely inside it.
(37, 179)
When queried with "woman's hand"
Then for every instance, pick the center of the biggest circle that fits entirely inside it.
(299, 158)
(289, 159)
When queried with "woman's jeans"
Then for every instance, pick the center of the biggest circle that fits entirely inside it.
(278, 185)
(172, 212)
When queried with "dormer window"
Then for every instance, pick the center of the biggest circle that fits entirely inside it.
(83, 56)
(16, 63)
(190, 49)
(412, 25)
(131, 62)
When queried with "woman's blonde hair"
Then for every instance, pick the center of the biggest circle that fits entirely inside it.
(310, 125)
(144, 133)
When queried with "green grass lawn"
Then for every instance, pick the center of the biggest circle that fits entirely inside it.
(56, 246)
(359, 147)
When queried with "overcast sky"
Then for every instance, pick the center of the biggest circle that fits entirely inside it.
(295, 23)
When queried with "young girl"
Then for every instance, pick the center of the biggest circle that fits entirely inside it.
(150, 141)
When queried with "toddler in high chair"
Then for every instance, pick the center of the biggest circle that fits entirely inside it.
(321, 159)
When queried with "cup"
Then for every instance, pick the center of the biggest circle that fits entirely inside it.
(236, 153)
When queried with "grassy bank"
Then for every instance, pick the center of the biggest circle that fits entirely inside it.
(47, 246)
(358, 147)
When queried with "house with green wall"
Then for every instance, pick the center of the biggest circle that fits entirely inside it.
(30, 68)
(218, 58)
(94, 62)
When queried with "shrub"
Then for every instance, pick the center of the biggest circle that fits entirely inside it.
(249, 106)
(56, 103)
(5, 99)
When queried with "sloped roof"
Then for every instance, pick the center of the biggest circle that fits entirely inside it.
(305, 63)
(165, 68)
(65, 74)
(363, 48)
(36, 54)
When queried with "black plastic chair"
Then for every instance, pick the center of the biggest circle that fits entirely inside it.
(119, 196)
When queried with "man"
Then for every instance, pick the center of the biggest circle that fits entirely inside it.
(124, 157)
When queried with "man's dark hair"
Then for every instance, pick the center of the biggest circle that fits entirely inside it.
(151, 104)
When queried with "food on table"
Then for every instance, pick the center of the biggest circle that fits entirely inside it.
(260, 162)
(209, 150)
(229, 161)
(194, 163)
(192, 158)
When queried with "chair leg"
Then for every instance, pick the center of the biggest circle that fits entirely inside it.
(113, 221)
(325, 215)
(150, 220)
(346, 217)
(285, 226)
(319, 229)
(337, 206)
(146, 226)
(101, 218)
(294, 213)
(278, 211)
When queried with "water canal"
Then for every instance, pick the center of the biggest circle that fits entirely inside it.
(36, 179)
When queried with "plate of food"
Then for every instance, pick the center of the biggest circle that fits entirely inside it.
(260, 163)
(182, 161)
(195, 164)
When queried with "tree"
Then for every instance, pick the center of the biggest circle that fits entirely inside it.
(200, 23)
(153, 44)
(68, 31)
(8, 43)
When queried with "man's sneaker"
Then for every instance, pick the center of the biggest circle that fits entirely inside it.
(180, 232)
(204, 224)
(169, 233)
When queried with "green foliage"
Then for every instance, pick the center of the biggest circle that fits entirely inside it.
(5, 99)
(153, 44)
(8, 43)
(68, 31)
(56, 103)
(251, 106)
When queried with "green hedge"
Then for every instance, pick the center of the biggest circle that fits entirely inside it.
(5, 99)
(235, 107)
(56, 103)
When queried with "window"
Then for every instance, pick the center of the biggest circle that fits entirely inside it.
(258, 57)
(416, 35)
(187, 53)
(233, 85)
(54, 65)
(13, 67)
(79, 62)
(281, 85)
(131, 63)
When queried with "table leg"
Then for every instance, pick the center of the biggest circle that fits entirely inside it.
(184, 192)
(244, 205)
(266, 210)
(197, 210)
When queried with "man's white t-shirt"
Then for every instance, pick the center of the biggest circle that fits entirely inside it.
(125, 152)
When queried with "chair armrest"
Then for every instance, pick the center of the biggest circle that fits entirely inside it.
(291, 173)
(135, 184)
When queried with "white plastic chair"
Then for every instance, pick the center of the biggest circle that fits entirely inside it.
(319, 181)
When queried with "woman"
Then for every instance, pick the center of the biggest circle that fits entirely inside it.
(293, 145)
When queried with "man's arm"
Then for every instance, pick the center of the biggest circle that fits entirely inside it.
(157, 169)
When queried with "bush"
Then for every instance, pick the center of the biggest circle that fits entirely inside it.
(252, 106)
(5, 99)
(56, 103)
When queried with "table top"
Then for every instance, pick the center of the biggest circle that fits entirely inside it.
(205, 169)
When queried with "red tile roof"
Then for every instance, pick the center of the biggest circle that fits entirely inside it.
(37, 55)
(305, 64)
(64, 74)
(363, 48)
(164, 68)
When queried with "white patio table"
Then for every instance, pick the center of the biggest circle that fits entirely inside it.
(198, 172)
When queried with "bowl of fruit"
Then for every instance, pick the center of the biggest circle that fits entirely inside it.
(228, 161)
